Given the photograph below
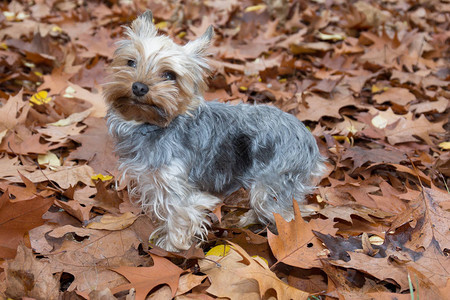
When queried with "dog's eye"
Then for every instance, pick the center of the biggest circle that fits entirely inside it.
(169, 75)
(131, 63)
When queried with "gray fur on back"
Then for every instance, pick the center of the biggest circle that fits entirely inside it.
(224, 147)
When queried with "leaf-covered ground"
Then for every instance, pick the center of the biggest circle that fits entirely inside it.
(369, 78)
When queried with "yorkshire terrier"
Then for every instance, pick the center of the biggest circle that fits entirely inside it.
(178, 152)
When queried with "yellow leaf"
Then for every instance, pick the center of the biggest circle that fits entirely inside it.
(181, 34)
(445, 145)
(101, 177)
(243, 88)
(221, 250)
(255, 7)
(341, 138)
(331, 37)
(4, 46)
(161, 25)
(40, 98)
(49, 159)
(282, 80)
(109, 222)
(57, 29)
(376, 89)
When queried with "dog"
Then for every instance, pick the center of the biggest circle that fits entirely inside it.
(178, 152)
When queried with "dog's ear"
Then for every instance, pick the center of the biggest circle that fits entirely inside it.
(200, 45)
(147, 16)
(143, 26)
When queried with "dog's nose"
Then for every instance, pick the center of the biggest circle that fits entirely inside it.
(139, 89)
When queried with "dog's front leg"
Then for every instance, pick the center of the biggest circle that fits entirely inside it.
(185, 223)
(179, 208)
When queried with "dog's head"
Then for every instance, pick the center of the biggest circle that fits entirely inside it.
(153, 79)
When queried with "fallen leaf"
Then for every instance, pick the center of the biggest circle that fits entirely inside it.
(296, 244)
(27, 276)
(91, 253)
(96, 147)
(109, 222)
(406, 128)
(14, 112)
(17, 218)
(246, 277)
(143, 279)
(63, 176)
(400, 96)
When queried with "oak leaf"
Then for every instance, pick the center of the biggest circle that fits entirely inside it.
(315, 107)
(110, 222)
(406, 128)
(10, 166)
(431, 221)
(17, 218)
(431, 106)
(239, 276)
(296, 244)
(400, 96)
(79, 210)
(13, 112)
(360, 156)
(98, 109)
(143, 279)
(27, 276)
(23, 141)
(345, 212)
(91, 253)
(96, 147)
(64, 176)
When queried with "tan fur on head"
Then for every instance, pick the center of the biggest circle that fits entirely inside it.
(154, 61)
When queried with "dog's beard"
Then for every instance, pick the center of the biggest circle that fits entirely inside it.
(158, 107)
(134, 110)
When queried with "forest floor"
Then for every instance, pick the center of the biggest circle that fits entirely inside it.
(370, 79)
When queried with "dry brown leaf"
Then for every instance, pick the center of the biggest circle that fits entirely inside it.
(369, 83)
(360, 156)
(406, 128)
(13, 112)
(98, 109)
(239, 276)
(17, 218)
(23, 141)
(425, 213)
(91, 254)
(81, 211)
(296, 244)
(143, 279)
(315, 107)
(96, 147)
(110, 222)
(345, 212)
(431, 106)
(27, 276)
(10, 166)
(63, 176)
